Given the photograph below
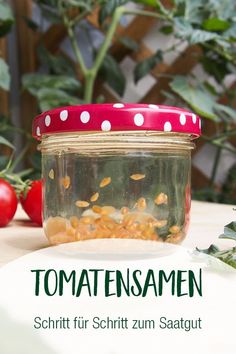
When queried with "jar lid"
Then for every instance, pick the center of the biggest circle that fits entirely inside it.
(116, 117)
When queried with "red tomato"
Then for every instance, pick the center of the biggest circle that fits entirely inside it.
(8, 202)
(31, 201)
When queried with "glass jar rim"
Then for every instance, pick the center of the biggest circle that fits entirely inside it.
(116, 117)
(103, 142)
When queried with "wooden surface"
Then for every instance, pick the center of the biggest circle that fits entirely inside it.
(207, 222)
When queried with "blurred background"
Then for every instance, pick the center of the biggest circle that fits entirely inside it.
(180, 52)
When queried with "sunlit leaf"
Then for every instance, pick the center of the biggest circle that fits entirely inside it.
(200, 100)
(215, 24)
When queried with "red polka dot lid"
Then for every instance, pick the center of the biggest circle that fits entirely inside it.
(116, 117)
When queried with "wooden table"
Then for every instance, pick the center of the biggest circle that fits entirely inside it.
(207, 223)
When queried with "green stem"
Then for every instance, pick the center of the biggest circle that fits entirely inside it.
(76, 49)
(215, 165)
(107, 41)
(91, 74)
(19, 158)
(78, 18)
(89, 84)
(226, 134)
(147, 14)
(216, 143)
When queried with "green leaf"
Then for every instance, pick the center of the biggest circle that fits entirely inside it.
(215, 65)
(167, 29)
(112, 74)
(184, 30)
(145, 66)
(30, 23)
(57, 64)
(49, 99)
(215, 24)
(197, 97)
(227, 256)
(108, 8)
(4, 75)
(5, 142)
(129, 43)
(6, 18)
(199, 36)
(231, 32)
(210, 250)
(49, 10)
(225, 112)
(221, 9)
(194, 11)
(229, 231)
(3, 162)
(34, 82)
(183, 27)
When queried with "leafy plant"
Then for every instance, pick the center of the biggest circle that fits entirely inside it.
(51, 90)
(227, 256)
(208, 26)
(212, 26)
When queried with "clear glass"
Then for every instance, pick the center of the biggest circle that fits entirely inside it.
(116, 185)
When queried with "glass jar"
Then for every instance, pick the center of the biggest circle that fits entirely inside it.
(116, 171)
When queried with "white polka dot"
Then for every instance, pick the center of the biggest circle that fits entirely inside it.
(118, 105)
(64, 115)
(106, 125)
(194, 118)
(182, 119)
(38, 131)
(138, 119)
(84, 117)
(200, 124)
(167, 127)
(47, 120)
(153, 106)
